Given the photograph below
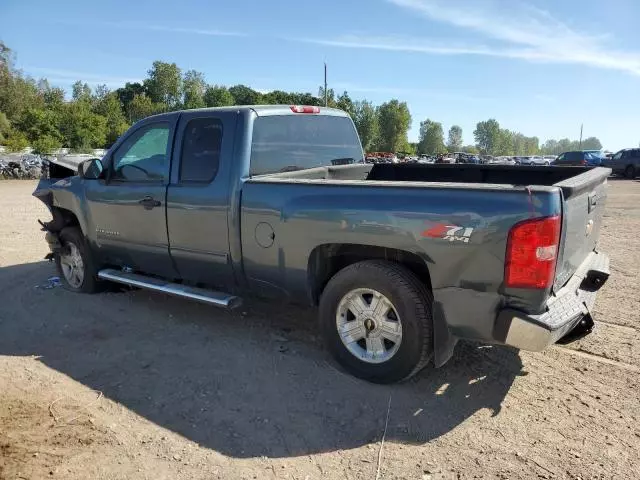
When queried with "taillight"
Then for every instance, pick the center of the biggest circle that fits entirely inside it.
(584, 162)
(532, 251)
(304, 109)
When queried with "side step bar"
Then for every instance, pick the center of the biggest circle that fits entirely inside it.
(219, 299)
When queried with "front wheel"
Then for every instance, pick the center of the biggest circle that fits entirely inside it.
(74, 263)
(630, 172)
(375, 317)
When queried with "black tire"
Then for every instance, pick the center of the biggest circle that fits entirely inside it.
(410, 298)
(630, 172)
(90, 283)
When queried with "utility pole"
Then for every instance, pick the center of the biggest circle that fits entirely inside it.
(581, 125)
(325, 84)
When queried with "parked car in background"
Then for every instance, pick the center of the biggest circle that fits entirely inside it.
(550, 158)
(590, 158)
(625, 162)
(503, 161)
(539, 161)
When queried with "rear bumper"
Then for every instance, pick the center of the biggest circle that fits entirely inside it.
(568, 316)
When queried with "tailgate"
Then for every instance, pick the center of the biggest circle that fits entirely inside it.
(583, 204)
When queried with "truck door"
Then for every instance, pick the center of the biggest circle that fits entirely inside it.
(127, 210)
(198, 197)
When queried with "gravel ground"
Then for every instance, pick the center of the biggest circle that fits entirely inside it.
(134, 385)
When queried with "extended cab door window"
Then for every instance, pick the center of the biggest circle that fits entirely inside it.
(143, 156)
(201, 146)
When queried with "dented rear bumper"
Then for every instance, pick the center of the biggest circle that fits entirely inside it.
(568, 315)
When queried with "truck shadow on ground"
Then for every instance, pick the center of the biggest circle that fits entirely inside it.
(249, 383)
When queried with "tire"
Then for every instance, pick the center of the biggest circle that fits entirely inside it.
(410, 306)
(75, 257)
(630, 172)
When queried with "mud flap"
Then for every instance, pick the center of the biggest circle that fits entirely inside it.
(443, 341)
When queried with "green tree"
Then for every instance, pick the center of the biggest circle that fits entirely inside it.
(164, 85)
(54, 99)
(81, 92)
(218, 96)
(108, 106)
(470, 149)
(46, 145)
(17, 141)
(486, 135)
(394, 120)
(141, 107)
(504, 143)
(37, 123)
(591, 143)
(365, 119)
(550, 147)
(531, 145)
(5, 128)
(331, 97)
(278, 97)
(431, 137)
(306, 99)
(81, 128)
(454, 141)
(565, 145)
(126, 95)
(412, 148)
(194, 87)
(244, 95)
(345, 103)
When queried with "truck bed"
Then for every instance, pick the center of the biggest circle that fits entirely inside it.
(446, 173)
(468, 195)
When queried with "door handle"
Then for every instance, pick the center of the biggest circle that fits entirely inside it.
(149, 202)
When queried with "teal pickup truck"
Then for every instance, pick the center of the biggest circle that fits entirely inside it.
(401, 260)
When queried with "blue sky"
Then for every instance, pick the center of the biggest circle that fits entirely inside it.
(541, 67)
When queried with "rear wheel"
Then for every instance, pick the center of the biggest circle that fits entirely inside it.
(375, 317)
(74, 263)
(630, 172)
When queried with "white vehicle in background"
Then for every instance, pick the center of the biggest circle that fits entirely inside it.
(503, 161)
(550, 158)
(534, 160)
(539, 161)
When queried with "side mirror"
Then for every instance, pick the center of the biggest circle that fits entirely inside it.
(91, 169)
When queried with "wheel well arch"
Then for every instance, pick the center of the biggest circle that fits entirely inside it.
(62, 218)
(328, 259)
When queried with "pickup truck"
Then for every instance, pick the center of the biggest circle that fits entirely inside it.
(402, 260)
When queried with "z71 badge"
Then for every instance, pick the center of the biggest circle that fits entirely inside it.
(453, 233)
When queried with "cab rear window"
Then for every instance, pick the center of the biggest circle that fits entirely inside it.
(285, 143)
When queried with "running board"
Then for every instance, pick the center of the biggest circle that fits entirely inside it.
(219, 299)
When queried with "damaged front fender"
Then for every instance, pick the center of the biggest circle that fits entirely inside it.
(64, 199)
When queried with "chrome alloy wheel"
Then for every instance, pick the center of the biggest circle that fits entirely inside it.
(369, 325)
(72, 265)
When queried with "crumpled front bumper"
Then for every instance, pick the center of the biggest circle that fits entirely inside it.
(568, 315)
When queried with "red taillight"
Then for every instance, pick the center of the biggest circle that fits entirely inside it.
(304, 109)
(532, 251)
(584, 162)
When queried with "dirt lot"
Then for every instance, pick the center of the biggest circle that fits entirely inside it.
(138, 385)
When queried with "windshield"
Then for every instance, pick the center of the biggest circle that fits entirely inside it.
(285, 143)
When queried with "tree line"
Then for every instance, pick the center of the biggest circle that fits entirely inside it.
(37, 114)
(491, 139)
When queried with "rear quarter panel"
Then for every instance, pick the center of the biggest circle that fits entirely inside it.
(466, 275)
